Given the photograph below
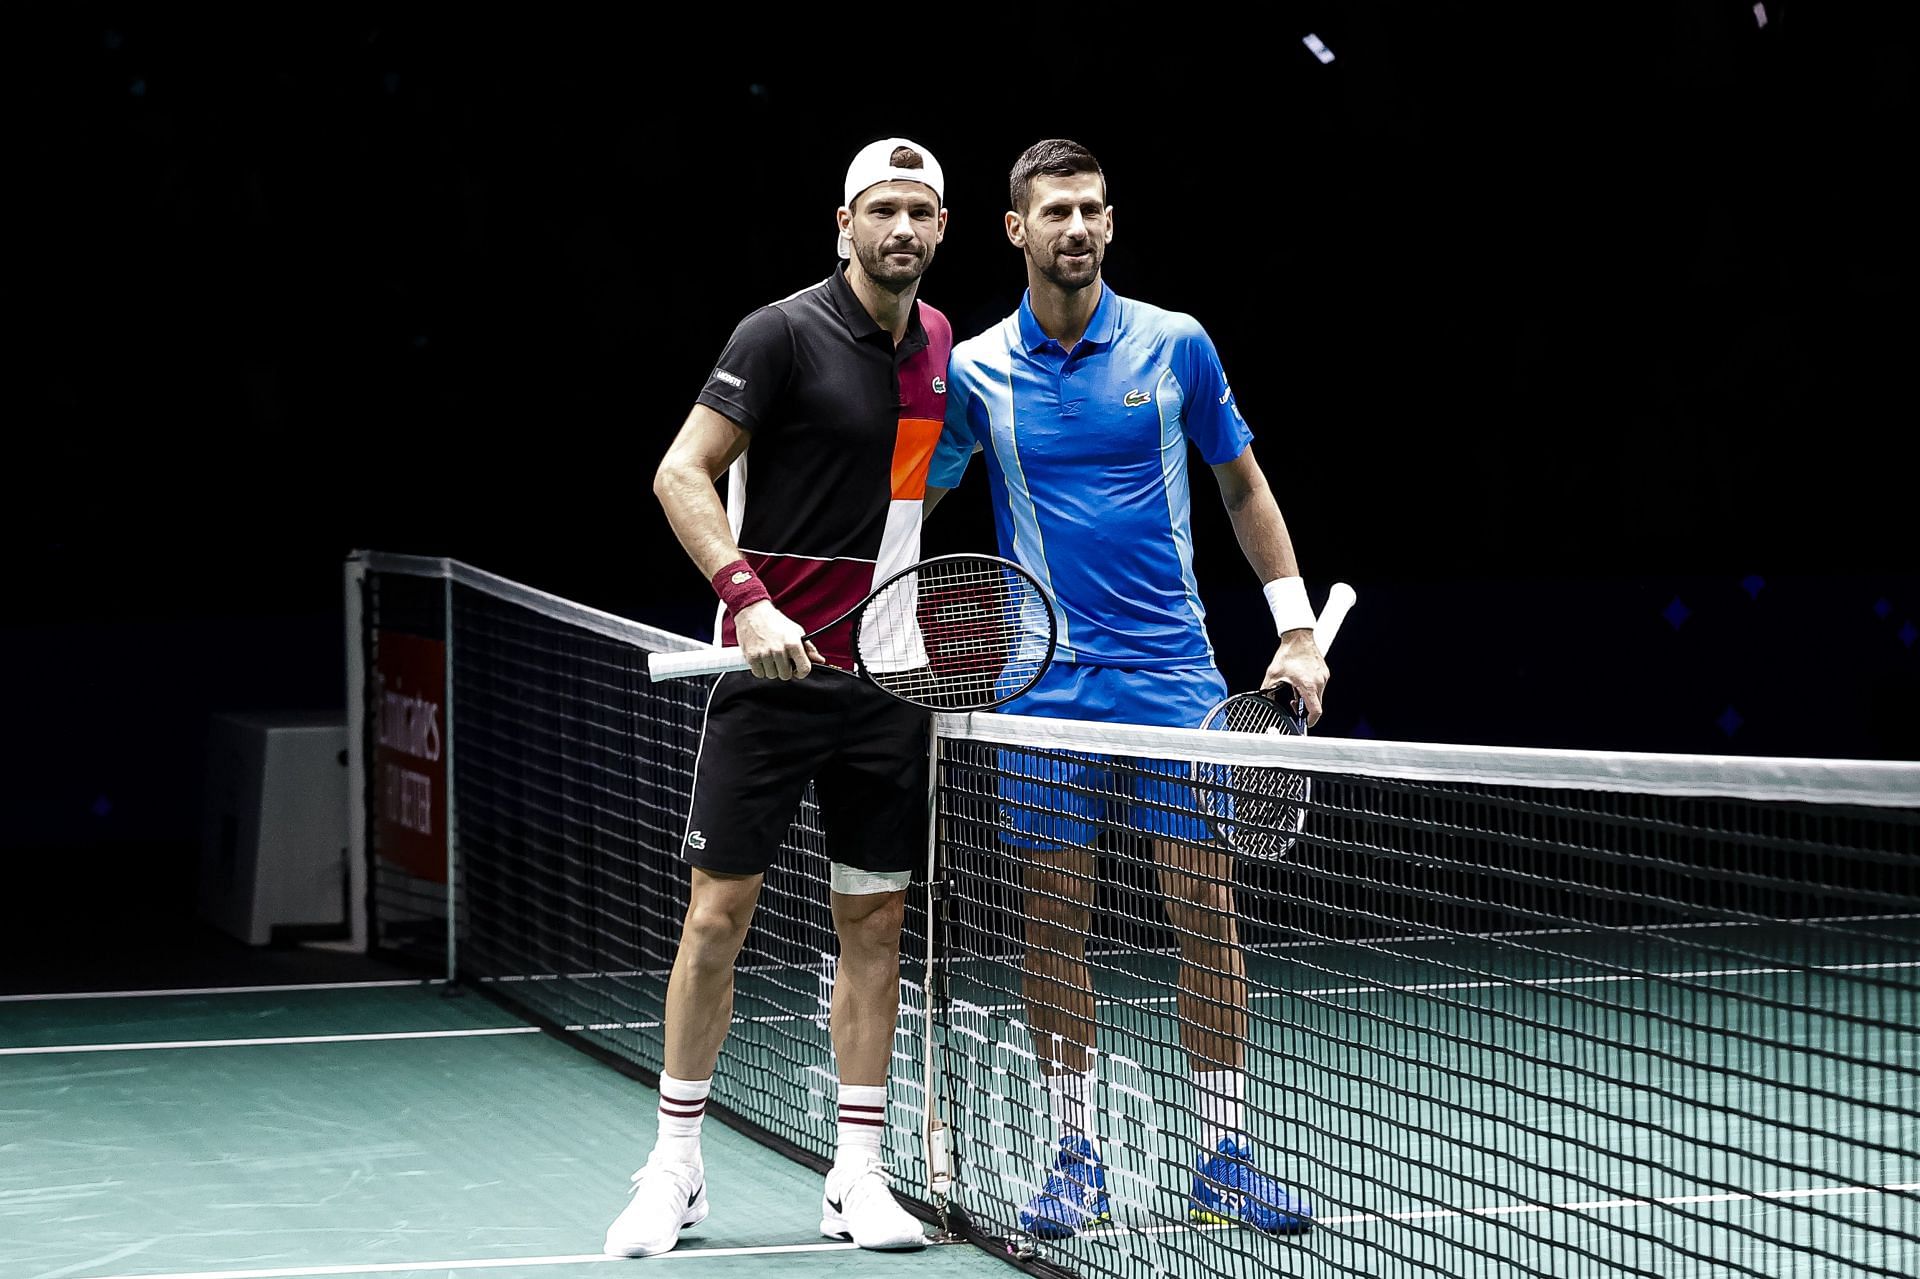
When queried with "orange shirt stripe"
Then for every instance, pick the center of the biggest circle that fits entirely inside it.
(912, 455)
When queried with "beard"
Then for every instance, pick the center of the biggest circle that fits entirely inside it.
(886, 273)
(1070, 277)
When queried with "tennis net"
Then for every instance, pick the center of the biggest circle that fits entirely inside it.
(1498, 1012)
(566, 773)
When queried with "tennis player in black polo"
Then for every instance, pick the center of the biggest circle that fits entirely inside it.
(824, 410)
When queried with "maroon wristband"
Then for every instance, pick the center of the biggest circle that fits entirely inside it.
(738, 585)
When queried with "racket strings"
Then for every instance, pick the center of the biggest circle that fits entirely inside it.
(957, 634)
(1257, 809)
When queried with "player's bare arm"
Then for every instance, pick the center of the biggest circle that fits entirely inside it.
(1262, 534)
(705, 447)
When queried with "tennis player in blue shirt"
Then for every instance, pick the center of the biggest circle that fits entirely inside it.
(1083, 403)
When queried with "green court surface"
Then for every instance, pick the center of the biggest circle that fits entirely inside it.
(1453, 1108)
(366, 1131)
(1450, 1106)
(1599, 1106)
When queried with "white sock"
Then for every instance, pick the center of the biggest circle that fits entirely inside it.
(863, 1123)
(683, 1104)
(1221, 1095)
(1070, 1098)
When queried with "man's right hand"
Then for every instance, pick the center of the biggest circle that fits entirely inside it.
(773, 643)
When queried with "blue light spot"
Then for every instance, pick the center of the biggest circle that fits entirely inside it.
(1730, 721)
(1676, 613)
(101, 806)
(138, 88)
(113, 39)
(1753, 584)
(1881, 608)
(1908, 634)
(1363, 729)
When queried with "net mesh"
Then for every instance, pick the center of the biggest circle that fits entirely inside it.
(572, 780)
(1491, 1022)
(1488, 1029)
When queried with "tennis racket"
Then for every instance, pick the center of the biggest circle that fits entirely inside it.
(1257, 810)
(951, 633)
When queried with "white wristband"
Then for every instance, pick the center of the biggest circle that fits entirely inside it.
(1287, 600)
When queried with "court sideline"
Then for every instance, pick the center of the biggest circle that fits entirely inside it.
(353, 1128)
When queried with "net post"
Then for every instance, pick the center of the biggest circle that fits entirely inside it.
(355, 580)
(453, 828)
(939, 1148)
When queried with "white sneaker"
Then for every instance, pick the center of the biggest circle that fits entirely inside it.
(857, 1205)
(667, 1197)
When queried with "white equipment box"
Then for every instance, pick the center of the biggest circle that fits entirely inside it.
(274, 842)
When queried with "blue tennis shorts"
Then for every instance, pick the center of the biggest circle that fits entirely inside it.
(1061, 799)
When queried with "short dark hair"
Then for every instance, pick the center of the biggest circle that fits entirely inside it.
(899, 158)
(1053, 158)
(906, 158)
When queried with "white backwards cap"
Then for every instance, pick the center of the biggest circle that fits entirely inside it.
(874, 165)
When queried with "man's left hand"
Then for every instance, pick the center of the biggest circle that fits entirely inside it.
(1298, 663)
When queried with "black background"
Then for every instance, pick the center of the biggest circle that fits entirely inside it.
(1581, 345)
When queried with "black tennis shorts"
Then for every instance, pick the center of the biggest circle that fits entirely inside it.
(764, 739)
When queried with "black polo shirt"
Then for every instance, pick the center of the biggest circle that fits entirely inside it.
(826, 501)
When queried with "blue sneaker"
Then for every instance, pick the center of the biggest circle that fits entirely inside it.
(1229, 1190)
(1074, 1197)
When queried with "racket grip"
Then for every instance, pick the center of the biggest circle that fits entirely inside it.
(695, 661)
(1340, 598)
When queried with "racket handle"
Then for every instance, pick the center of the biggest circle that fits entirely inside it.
(1339, 599)
(695, 661)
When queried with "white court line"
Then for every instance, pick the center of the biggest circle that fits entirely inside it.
(1600, 979)
(488, 1263)
(1415, 988)
(1591, 1205)
(1408, 989)
(1635, 929)
(791, 1017)
(695, 1254)
(56, 996)
(661, 974)
(56, 1049)
(1003, 957)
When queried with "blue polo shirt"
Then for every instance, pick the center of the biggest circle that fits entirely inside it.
(1087, 465)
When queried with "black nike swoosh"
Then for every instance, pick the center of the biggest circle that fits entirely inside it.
(834, 1204)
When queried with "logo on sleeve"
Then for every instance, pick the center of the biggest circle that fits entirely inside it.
(696, 840)
(1224, 394)
(737, 383)
(1136, 398)
(939, 386)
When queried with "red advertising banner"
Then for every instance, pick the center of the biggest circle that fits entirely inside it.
(409, 754)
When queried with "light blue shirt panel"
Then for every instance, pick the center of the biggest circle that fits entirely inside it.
(1087, 469)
